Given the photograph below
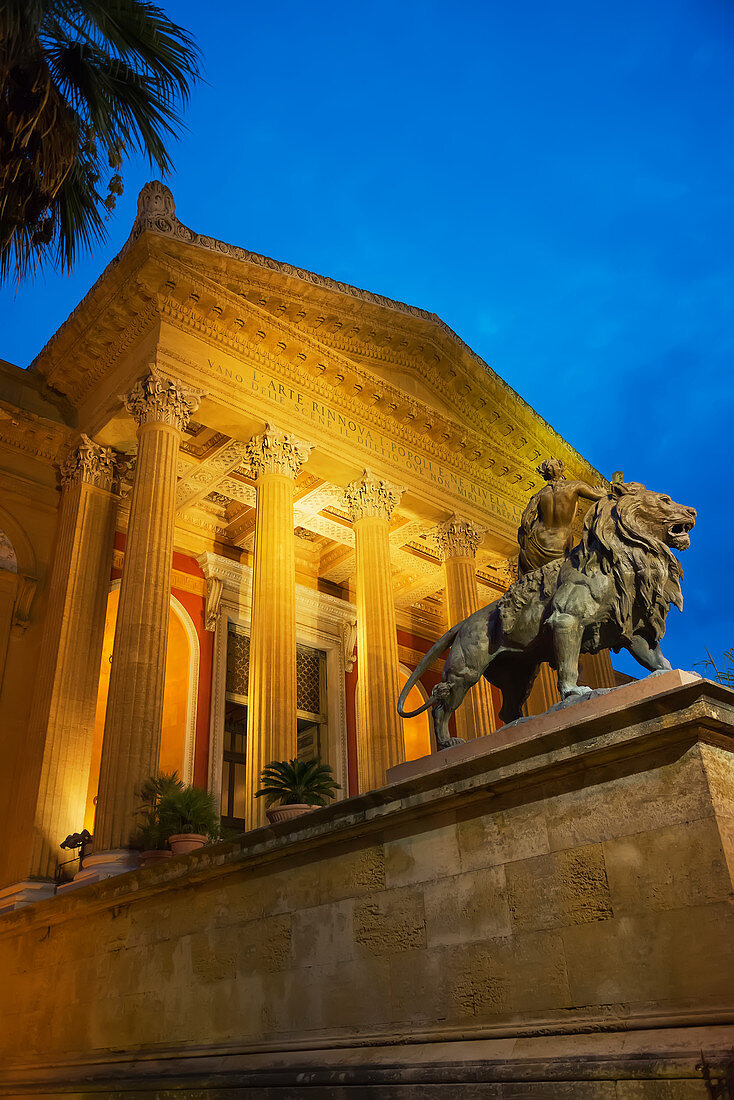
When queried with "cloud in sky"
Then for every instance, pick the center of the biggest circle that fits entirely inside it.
(555, 181)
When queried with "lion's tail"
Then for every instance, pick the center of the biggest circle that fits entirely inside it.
(425, 663)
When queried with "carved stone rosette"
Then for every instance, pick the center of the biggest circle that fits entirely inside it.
(156, 399)
(276, 452)
(459, 538)
(90, 464)
(371, 497)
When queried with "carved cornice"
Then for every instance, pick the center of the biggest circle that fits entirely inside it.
(156, 399)
(23, 432)
(274, 343)
(489, 425)
(371, 497)
(276, 452)
(459, 538)
(88, 464)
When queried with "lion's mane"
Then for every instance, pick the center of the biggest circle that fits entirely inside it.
(645, 571)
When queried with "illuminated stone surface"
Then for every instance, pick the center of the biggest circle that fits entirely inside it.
(520, 922)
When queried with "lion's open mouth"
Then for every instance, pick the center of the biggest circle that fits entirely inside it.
(679, 534)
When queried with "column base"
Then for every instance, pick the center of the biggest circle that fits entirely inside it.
(25, 893)
(101, 865)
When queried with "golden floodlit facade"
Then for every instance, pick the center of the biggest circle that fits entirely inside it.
(239, 503)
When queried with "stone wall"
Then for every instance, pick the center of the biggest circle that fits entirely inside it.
(549, 917)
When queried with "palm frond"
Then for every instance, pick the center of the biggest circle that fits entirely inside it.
(310, 782)
(83, 83)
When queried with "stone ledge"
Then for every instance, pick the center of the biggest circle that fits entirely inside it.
(582, 713)
(537, 1062)
(626, 734)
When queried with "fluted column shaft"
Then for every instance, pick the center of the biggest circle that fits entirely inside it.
(380, 743)
(459, 540)
(275, 458)
(132, 732)
(52, 786)
(544, 692)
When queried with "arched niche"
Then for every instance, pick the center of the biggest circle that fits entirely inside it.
(20, 545)
(417, 733)
(178, 731)
(8, 557)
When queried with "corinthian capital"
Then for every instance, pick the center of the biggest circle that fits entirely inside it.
(89, 464)
(459, 538)
(371, 496)
(156, 399)
(276, 452)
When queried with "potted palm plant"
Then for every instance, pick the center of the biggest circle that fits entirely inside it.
(293, 787)
(151, 838)
(189, 817)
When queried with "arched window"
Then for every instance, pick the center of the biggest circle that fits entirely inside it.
(178, 731)
(416, 731)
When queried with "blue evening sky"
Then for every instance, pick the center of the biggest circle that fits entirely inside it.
(554, 180)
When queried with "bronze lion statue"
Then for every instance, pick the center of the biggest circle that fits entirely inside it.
(613, 590)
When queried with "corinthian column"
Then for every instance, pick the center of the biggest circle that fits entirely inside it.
(380, 744)
(459, 539)
(52, 784)
(276, 458)
(132, 732)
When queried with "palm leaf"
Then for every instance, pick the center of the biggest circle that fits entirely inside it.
(310, 782)
(83, 84)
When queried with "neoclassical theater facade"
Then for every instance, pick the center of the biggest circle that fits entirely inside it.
(238, 502)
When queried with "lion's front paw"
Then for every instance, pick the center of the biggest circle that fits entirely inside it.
(579, 689)
(449, 744)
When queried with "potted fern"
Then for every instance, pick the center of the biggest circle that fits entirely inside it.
(293, 787)
(151, 838)
(188, 816)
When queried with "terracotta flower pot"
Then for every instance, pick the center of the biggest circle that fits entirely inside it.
(285, 813)
(182, 843)
(155, 855)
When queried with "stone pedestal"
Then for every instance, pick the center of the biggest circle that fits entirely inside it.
(98, 866)
(380, 745)
(132, 733)
(276, 458)
(459, 539)
(544, 913)
(52, 785)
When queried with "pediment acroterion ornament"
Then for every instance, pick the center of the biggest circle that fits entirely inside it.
(156, 208)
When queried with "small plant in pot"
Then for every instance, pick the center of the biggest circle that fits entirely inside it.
(293, 787)
(189, 817)
(151, 838)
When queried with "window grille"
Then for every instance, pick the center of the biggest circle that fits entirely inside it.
(308, 679)
(238, 662)
(311, 717)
